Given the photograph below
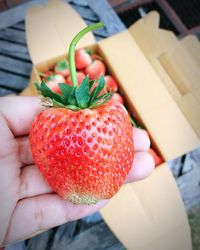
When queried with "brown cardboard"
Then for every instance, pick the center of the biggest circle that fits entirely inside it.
(146, 215)
(176, 62)
(50, 29)
(149, 96)
(149, 214)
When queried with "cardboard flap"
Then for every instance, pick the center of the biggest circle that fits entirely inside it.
(184, 70)
(151, 99)
(50, 29)
(152, 40)
(149, 214)
(176, 62)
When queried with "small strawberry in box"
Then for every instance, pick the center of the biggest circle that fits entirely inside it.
(82, 143)
(62, 68)
(80, 76)
(95, 69)
(83, 58)
(52, 80)
(157, 159)
(111, 83)
(117, 98)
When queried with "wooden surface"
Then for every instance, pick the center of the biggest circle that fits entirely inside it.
(15, 67)
(15, 64)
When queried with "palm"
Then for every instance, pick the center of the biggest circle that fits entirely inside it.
(28, 204)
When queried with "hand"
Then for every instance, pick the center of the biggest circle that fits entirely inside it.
(27, 204)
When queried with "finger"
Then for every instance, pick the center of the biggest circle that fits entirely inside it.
(143, 165)
(19, 112)
(141, 139)
(43, 212)
(32, 183)
(24, 150)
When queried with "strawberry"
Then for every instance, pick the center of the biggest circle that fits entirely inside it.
(82, 58)
(80, 77)
(83, 144)
(111, 83)
(53, 80)
(118, 98)
(95, 69)
(62, 68)
(158, 160)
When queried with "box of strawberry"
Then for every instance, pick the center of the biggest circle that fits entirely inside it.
(86, 89)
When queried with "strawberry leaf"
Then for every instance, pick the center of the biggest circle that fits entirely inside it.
(101, 100)
(97, 90)
(91, 83)
(46, 92)
(58, 104)
(66, 91)
(83, 93)
(72, 97)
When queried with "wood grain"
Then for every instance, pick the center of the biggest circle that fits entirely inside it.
(14, 50)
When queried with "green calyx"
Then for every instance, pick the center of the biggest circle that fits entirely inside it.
(62, 65)
(77, 97)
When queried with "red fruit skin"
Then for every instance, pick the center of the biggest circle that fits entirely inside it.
(80, 77)
(86, 155)
(111, 83)
(53, 82)
(117, 98)
(82, 59)
(157, 159)
(95, 70)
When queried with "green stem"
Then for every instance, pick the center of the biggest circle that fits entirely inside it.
(72, 66)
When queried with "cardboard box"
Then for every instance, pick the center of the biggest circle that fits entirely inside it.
(160, 85)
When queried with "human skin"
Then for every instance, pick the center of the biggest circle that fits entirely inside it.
(28, 205)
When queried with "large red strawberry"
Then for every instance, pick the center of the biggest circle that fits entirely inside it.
(95, 69)
(62, 68)
(82, 58)
(111, 83)
(83, 145)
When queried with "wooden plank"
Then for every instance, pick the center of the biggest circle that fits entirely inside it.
(15, 66)
(79, 2)
(14, 50)
(75, 234)
(99, 32)
(107, 15)
(86, 13)
(15, 36)
(12, 81)
(17, 14)
(189, 186)
(171, 14)
(96, 237)
(2, 5)
(4, 91)
(19, 26)
(13, 3)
